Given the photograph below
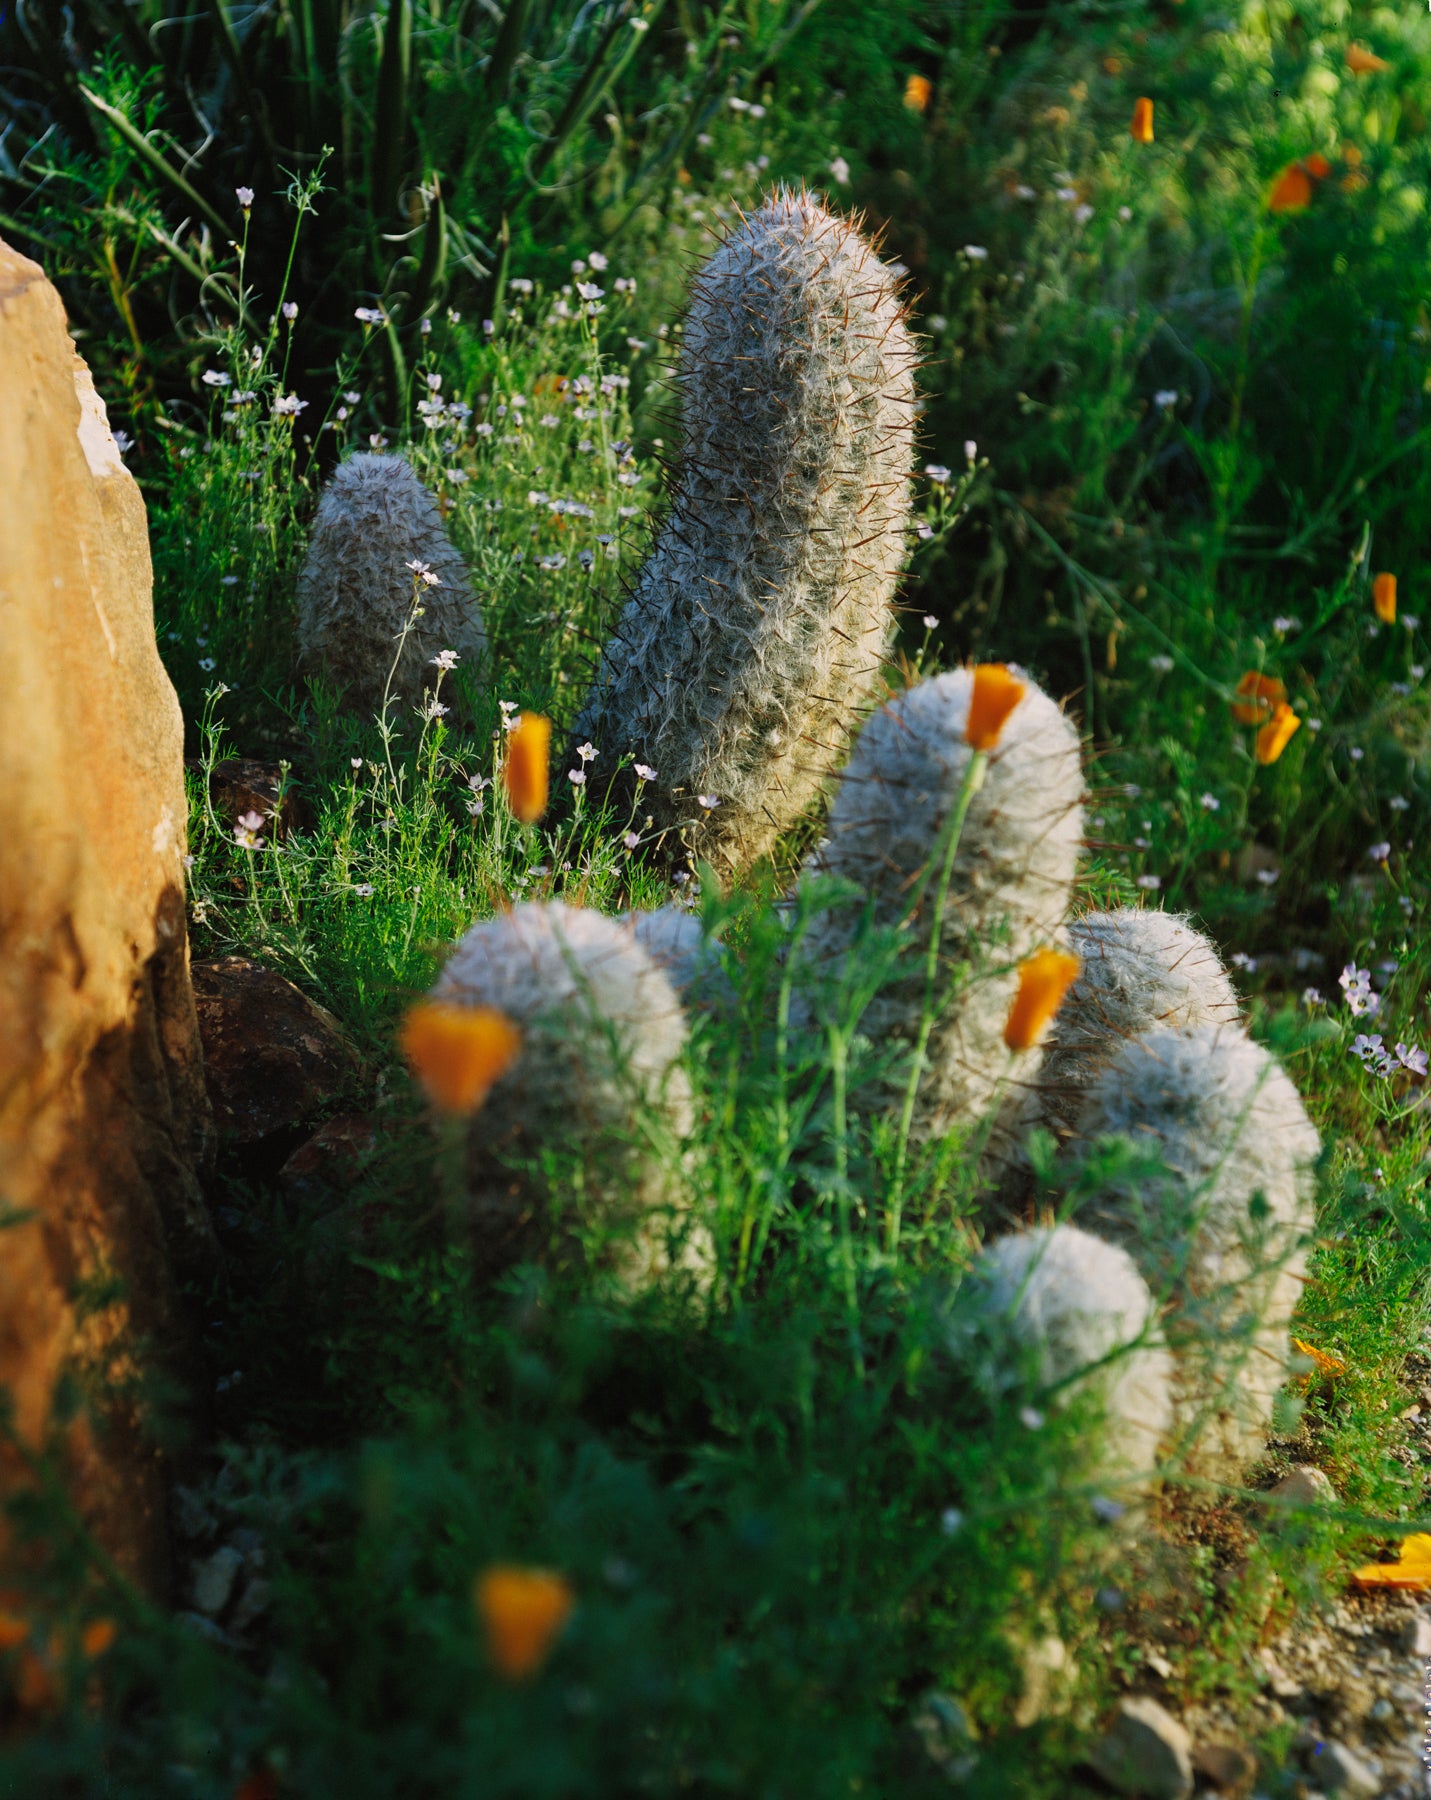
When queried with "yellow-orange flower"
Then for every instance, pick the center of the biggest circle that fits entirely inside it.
(458, 1052)
(522, 1612)
(1317, 166)
(1291, 191)
(1362, 62)
(1043, 981)
(1259, 697)
(1276, 734)
(1383, 598)
(917, 91)
(97, 1637)
(1142, 126)
(997, 691)
(525, 770)
(1325, 1364)
(1411, 1570)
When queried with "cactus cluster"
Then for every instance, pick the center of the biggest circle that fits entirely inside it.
(357, 588)
(758, 626)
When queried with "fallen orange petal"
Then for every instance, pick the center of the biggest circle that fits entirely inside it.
(525, 770)
(1260, 696)
(522, 1612)
(1276, 734)
(1412, 1570)
(1361, 61)
(1043, 981)
(1383, 598)
(1142, 126)
(997, 691)
(458, 1052)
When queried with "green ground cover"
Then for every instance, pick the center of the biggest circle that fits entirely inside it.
(1171, 435)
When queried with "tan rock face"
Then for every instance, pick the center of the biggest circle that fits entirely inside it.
(103, 1117)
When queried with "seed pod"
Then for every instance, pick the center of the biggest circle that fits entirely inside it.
(1082, 1315)
(593, 1111)
(758, 626)
(1218, 1233)
(1008, 891)
(356, 591)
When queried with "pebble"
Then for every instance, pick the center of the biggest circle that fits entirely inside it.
(1225, 1765)
(1416, 1635)
(1347, 1774)
(214, 1579)
(1305, 1486)
(1145, 1751)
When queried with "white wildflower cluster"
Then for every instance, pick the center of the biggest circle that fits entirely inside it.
(1361, 998)
(1377, 1060)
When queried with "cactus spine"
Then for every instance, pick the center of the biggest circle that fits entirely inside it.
(1009, 890)
(1219, 1234)
(355, 592)
(599, 1084)
(758, 625)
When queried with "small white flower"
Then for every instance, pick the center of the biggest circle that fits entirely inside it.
(355, 762)
(1268, 877)
(424, 573)
(1031, 1418)
(1210, 803)
(1410, 621)
(950, 1520)
(644, 772)
(434, 709)
(289, 310)
(217, 378)
(1125, 213)
(971, 449)
(206, 663)
(189, 861)
(123, 443)
(288, 406)
(1286, 622)
(1067, 194)
(708, 801)
(446, 660)
(930, 622)
(368, 315)
(1082, 214)
(245, 197)
(1312, 997)
(246, 831)
(364, 890)
(597, 259)
(1379, 852)
(1024, 192)
(631, 840)
(1149, 881)
(590, 291)
(937, 473)
(1160, 665)
(1410, 1057)
(1398, 803)
(1314, 724)
(840, 169)
(1106, 1510)
(1165, 399)
(586, 752)
(976, 253)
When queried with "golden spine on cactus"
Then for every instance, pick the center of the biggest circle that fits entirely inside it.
(759, 624)
(359, 589)
(599, 1085)
(977, 863)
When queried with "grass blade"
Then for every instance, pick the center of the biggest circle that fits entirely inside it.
(158, 162)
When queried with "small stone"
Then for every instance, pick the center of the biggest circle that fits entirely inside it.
(1415, 1636)
(1341, 1771)
(1145, 1751)
(1280, 1682)
(1230, 1767)
(1305, 1486)
(214, 1580)
(1381, 1709)
(1046, 1671)
(252, 1604)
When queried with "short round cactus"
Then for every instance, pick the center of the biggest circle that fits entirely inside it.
(1082, 1315)
(1219, 1236)
(673, 937)
(759, 624)
(596, 1105)
(1009, 891)
(356, 590)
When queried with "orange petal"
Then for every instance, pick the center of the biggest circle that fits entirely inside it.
(525, 770)
(1412, 1570)
(997, 691)
(917, 91)
(1326, 1365)
(1261, 696)
(1362, 62)
(522, 1613)
(458, 1052)
(1383, 598)
(1317, 166)
(1142, 126)
(1291, 191)
(1043, 981)
(97, 1637)
(1276, 734)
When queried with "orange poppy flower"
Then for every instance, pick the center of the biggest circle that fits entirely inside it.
(1411, 1570)
(917, 91)
(1383, 598)
(1361, 61)
(1276, 734)
(1043, 981)
(1325, 1364)
(457, 1053)
(525, 770)
(1317, 166)
(1291, 191)
(1142, 126)
(1261, 695)
(522, 1613)
(996, 693)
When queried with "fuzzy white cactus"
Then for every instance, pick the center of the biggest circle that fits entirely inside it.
(599, 1082)
(1080, 1312)
(1220, 1236)
(356, 591)
(758, 626)
(674, 939)
(1009, 890)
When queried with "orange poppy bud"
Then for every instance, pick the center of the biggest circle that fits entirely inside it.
(457, 1053)
(1142, 126)
(1043, 981)
(522, 1613)
(996, 693)
(1317, 166)
(1291, 191)
(1276, 734)
(1361, 61)
(1383, 598)
(917, 91)
(1261, 696)
(97, 1637)
(1411, 1571)
(525, 770)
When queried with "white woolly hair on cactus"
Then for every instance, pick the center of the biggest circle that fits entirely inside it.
(675, 940)
(356, 592)
(1077, 1309)
(599, 1080)
(1008, 892)
(758, 626)
(1221, 1234)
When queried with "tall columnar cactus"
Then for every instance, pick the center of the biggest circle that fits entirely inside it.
(599, 1086)
(1219, 1236)
(356, 590)
(759, 623)
(1008, 893)
(1082, 1315)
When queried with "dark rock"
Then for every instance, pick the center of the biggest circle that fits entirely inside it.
(330, 1162)
(1231, 1768)
(240, 785)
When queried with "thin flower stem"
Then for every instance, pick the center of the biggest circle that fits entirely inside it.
(973, 780)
